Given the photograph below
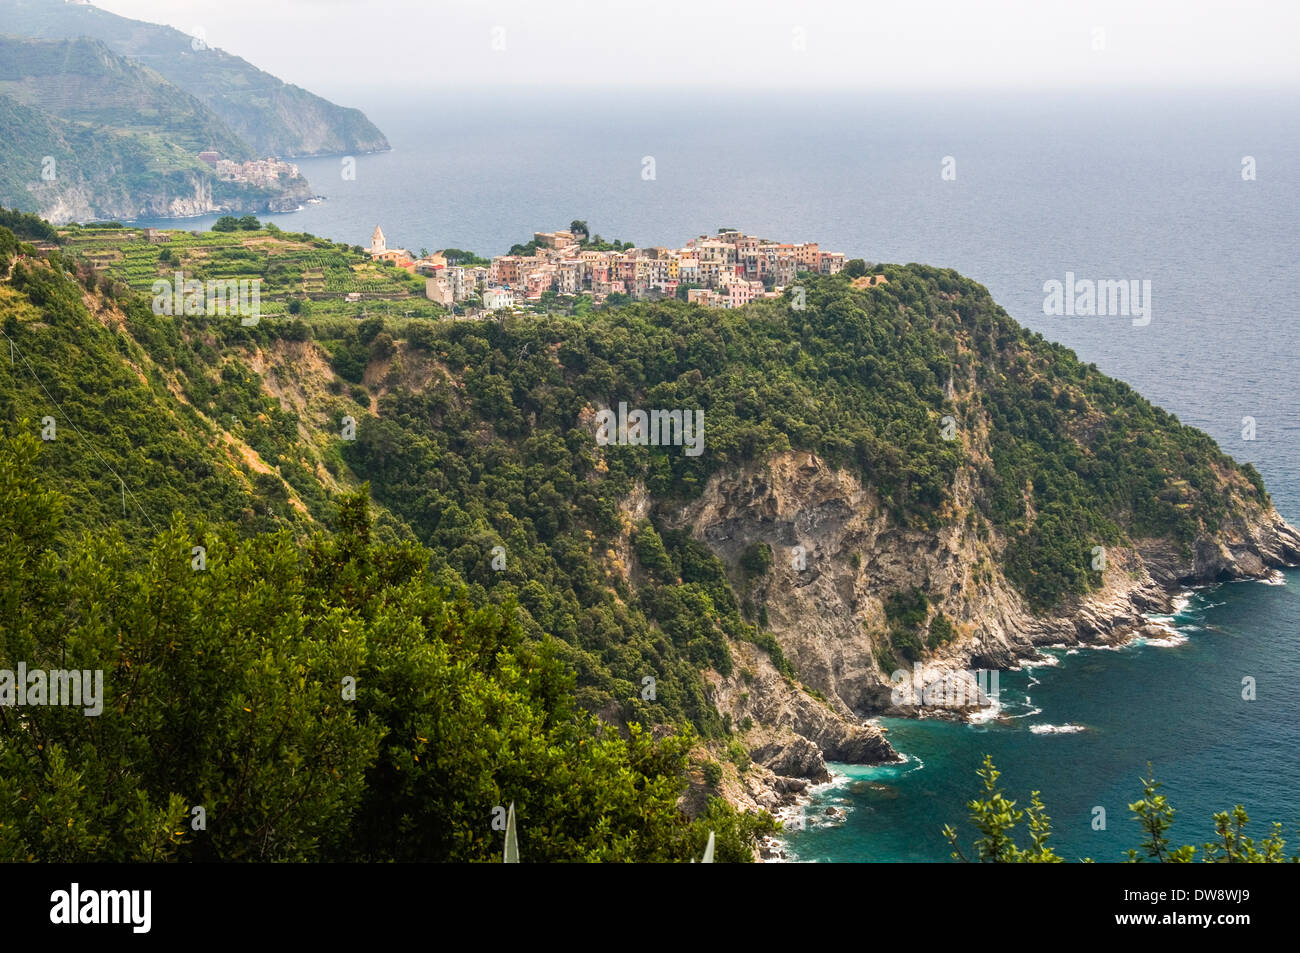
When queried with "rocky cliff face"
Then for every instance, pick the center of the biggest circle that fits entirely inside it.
(838, 557)
(178, 195)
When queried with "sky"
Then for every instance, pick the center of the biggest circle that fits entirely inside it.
(336, 46)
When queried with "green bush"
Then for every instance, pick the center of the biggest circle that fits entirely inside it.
(756, 559)
(738, 756)
(712, 773)
(940, 631)
(650, 552)
(907, 644)
(907, 609)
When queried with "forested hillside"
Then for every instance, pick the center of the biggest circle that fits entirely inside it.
(102, 117)
(513, 583)
(83, 81)
(273, 117)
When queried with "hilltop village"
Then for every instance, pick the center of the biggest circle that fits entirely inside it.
(726, 270)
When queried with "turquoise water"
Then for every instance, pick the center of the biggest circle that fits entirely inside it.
(1178, 706)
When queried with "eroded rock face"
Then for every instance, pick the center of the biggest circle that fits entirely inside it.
(838, 556)
(793, 757)
(1248, 546)
(782, 710)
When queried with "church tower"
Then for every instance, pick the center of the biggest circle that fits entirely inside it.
(377, 244)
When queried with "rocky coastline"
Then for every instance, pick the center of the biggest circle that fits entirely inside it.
(825, 609)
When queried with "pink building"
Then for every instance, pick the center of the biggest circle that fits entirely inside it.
(741, 293)
(537, 282)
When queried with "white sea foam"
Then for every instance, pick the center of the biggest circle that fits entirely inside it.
(1043, 661)
(1171, 637)
(985, 713)
(1276, 578)
(1067, 729)
(1010, 708)
(1030, 713)
(837, 780)
(1174, 626)
(1174, 639)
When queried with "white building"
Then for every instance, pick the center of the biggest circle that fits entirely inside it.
(495, 299)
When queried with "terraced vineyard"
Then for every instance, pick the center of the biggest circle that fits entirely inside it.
(291, 266)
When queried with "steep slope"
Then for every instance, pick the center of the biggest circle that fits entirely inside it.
(67, 171)
(273, 117)
(125, 446)
(839, 561)
(85, 82)
(956, 490)
(889, 475)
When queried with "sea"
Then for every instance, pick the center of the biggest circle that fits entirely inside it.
(1194, 191)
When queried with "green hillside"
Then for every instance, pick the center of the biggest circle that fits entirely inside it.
(317, 271)
(469, 432)
(457, 709)
(272, 117)
(67, 170)
(496, 592)
(130, 451)
(83, 81)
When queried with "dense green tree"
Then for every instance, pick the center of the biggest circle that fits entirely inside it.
(271, 701)
(8, 248)
(756, 559)
(29, 227)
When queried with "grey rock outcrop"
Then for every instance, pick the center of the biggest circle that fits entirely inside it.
(838, 556)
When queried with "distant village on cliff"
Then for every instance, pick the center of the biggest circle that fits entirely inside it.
(726, 270)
